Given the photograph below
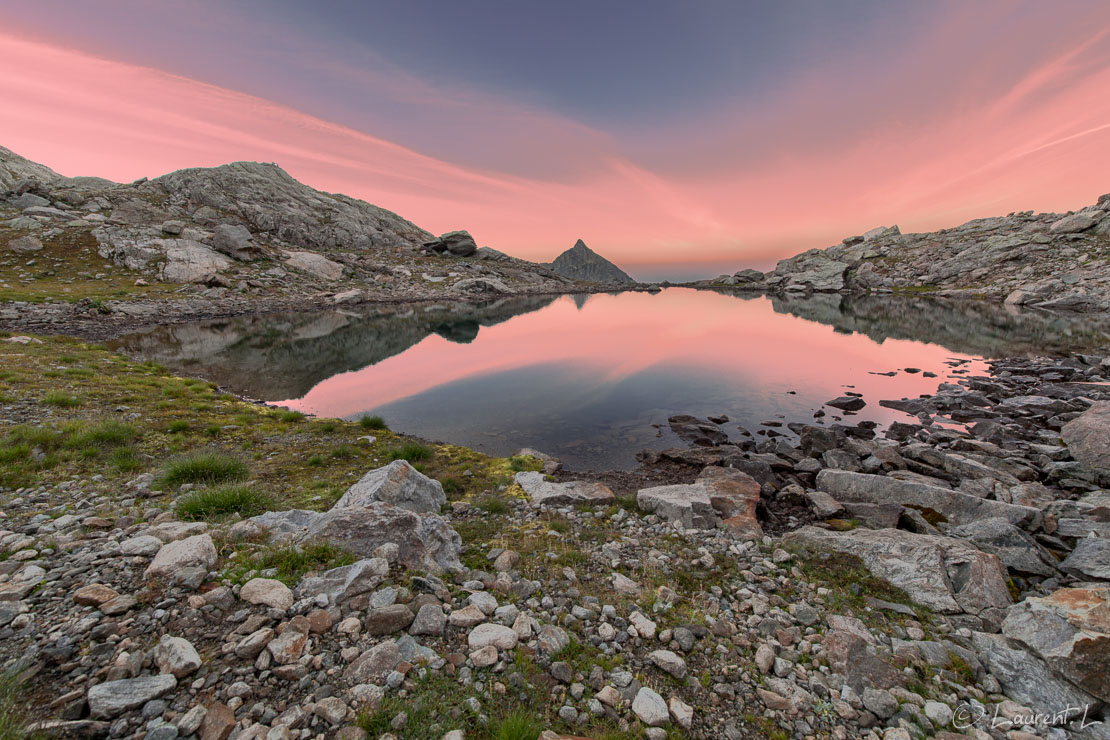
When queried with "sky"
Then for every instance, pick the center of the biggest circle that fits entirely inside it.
(679, 139)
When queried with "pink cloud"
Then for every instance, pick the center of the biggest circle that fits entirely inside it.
(1041, 142)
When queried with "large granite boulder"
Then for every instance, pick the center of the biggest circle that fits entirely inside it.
(315, 264)
(1070, 631)
(941, 573)
(400, 484)
(235, 241)
(956, 507)
(454, 243)
(734, 495)
(687, 505)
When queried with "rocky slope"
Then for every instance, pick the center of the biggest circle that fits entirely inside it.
(223, 240)
(1048, 260)
(582, 263)
(948, 578)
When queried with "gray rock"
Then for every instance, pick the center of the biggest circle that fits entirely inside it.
(374, 664)
(667, 661)
(430, 620)
(177, 656)
(1088, 436)
(1026, 678)
(235, 241)
(570, 493)
(113, 698)
(688, 505)
(650, 708)
(957, 508)
(388, 619)
(941, 573)
(1017, 550)
(197, 551)
(425, 542)
(25, 245)
(315, 264)
(267, 591)
(399, 484)
(481, 285)
(1089, 559)
(1070, 631)
(1072, 224)
(879, 702)
(454, 243)
(345, 582)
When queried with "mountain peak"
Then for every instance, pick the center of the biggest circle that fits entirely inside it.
(582, 263)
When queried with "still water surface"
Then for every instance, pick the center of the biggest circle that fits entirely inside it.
(593, 379)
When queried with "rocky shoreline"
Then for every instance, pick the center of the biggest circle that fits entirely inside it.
(838, 581)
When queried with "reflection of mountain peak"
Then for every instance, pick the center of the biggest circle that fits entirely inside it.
(281, 356)
(580, 299)
(459, 332)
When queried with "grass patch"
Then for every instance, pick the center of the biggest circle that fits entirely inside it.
(290, 417)
(177, 426)
(290, 563)
(492, 504)
(15, 710)
(205, 467)
(315, 461)
(412, 452)
(522, 463)
(103, 435)
(61, 400)
(372, 422)
(214, 503)
(124, 460)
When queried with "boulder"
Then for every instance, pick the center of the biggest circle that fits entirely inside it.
(649, 708)
(25, 245)
(570, 493)
(497, 635)
(941, 573)
(235, 241)
(734, 495)
(1028, 679)
(176, 656)
(855, 658)
(267, 591)
(345, 582)
(687, 505)
(197, 551)
(385, 620)
(113, 698)
(399, 484)
(1072, 224)
(1017, 550)
(454, 243)
(374, 664)
(481, 285)
(188, 261)
(425, 542)
(956, 508)
(1088, 436)
(315, 264)
(1070, 631)
(1089, 559)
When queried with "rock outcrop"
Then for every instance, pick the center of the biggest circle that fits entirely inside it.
(582, 263)
(1049, 260)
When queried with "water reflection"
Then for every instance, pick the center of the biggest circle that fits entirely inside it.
(593, 379)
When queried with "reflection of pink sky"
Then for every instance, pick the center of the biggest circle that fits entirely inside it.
(619, 336)
(1042, 143)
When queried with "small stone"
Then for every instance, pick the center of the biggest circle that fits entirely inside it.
(499, 636)
(176, 655)
(267, 592)
(665, 660)
(94, 594)
(650, 708)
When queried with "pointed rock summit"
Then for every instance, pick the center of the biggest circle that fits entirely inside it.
(582, 263)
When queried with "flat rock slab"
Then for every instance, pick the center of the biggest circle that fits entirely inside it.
(113, 698)
(570, 493)
(957, 508)
(941, 573)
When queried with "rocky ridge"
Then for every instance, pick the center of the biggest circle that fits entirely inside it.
(1046, 260)
(223, 240)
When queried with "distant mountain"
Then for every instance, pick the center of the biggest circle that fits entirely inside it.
(582, 263)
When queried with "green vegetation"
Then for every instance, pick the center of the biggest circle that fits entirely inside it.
(215, 503)
(15, 710)
(372, 422)
(412, 451)
(177, 426)
(206, 467)
(61, 400)
(290, 563)
(290, 417)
